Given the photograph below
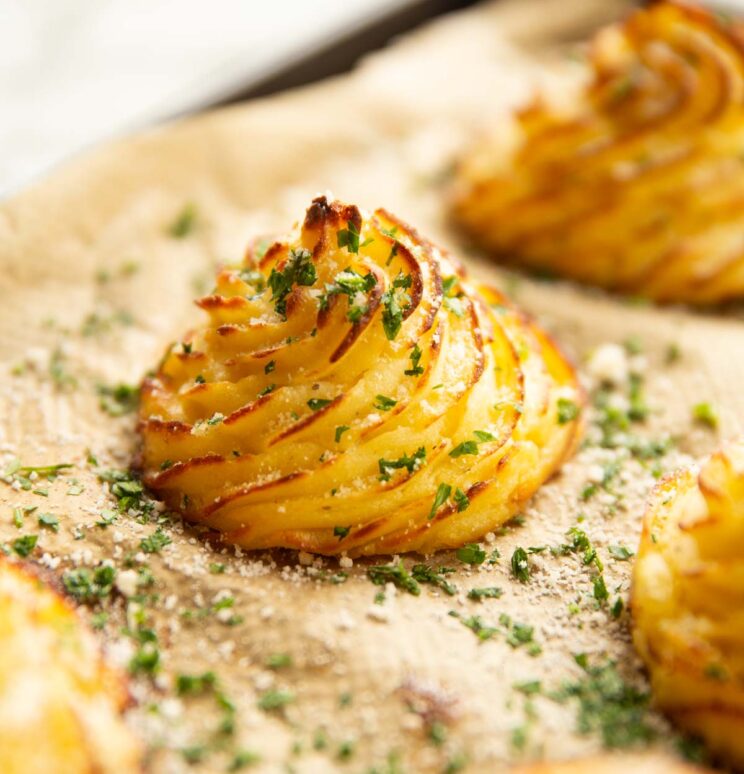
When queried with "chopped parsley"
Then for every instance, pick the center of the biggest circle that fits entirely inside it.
(270, 366)
(529, 688)
(146, 659)
(24, 545)
(316, 404)
(621, 553)
(254, 277)
(519, 634)
(705, 414)
(633, 345)
(279, 661)
(89, 586)
(466, 447)
(396, 574)
(440, 498)
(581, 544)
(267, 390)
(185, 222)
(95, 324)
(243, 758)
(274, 700)
(471, 553)
(462, 501)
(348, 237)
(25, 475)
(415, 369)
(50, 521)
(471, 447)
(127, 490)
(434, 576)
(341, 532)
(638, 410)
(520, 565)
(152, 544)
(448, 284)
(516, 634)
(454, 305)
(44, 471)
(673, 353)
(354, 285)
(488, 592)
(383, 403)
(99, 620)
(393, 253)
(600, 589)
(352, 282)
(340, 430)
(476, 625)
(62, 378)
(609, 472)
(120, 399)
(18, 515)
(410, 463)
(299, 269)
(608, 705)
(568, 410)
(394, 302)
(452, 296)
(195, 685)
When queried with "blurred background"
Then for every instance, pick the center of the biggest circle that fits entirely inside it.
(75, 72)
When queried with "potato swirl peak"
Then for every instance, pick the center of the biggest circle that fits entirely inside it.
(637, 185)
(352, 391)
(60, 704)
(688, 600)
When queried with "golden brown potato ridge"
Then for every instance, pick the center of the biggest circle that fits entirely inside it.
(353, 391)
(688, 600)
(60, 704)
(621, 763)
(637, 184)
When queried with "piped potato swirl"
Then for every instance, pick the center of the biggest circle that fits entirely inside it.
(60, 704)
(688, 600)
(637, 183)
(353, 391)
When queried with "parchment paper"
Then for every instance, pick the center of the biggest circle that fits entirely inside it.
(383, 135)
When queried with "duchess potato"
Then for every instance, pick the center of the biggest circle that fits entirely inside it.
(353, 391)
(59, 703)
(688, 600)
(636, 185)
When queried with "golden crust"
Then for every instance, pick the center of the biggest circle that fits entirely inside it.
(638, 763)
(688, 600)
(637, 185)
(60, 704)
(327, 426)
